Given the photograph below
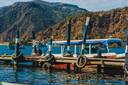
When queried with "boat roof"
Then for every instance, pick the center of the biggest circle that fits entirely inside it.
(91, 41)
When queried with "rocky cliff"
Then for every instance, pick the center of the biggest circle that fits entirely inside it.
(36, 15)
(103, 24)
(49, 19)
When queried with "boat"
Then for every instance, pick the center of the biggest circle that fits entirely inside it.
(111, 48)
(6, 83)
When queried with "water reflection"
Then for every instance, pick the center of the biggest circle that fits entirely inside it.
(36, 76)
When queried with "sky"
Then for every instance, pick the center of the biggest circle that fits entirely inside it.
(91, 5)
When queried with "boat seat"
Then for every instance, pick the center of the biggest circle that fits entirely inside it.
(106, 55)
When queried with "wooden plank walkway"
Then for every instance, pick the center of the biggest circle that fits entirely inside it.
(6, 58)
(66, 60)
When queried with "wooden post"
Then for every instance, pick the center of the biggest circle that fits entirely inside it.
(62, 50)
(68, 35)
(90, 48)
(126, 48)
(14, 64)
(17, 49)
(126, 63)
(75, 51)
(68, 53)
(50, 46)
(68, 68)
(107, 46)
(99, 54)
(76, 69)
(126, 56)
(85, 35)
(34, 49)
(79, 60)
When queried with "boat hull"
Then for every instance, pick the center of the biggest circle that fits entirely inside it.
(63, 66)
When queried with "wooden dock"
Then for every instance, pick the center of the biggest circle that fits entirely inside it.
(39, 60)
(72, 60)
(6, 58)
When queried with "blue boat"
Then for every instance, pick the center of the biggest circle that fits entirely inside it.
(111, 47)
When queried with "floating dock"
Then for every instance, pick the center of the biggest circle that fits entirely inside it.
(39, 61)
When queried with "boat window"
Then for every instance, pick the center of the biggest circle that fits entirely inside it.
(96, 47)
(71, 49)
(113, 45)
(116, 48)
(56, 49)
(86, 49)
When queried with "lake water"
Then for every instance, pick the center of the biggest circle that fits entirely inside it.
(36, 76)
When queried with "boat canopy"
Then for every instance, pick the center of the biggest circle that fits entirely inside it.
(91, 41)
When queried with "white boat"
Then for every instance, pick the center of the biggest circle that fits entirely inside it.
(6, 83)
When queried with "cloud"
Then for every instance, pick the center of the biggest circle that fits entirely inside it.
(9, 2)
(92, 5)
(96, 5)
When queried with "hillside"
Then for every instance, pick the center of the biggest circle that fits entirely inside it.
(35, 15)
(102, 25)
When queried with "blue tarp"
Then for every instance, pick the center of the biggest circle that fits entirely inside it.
(96, 41)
